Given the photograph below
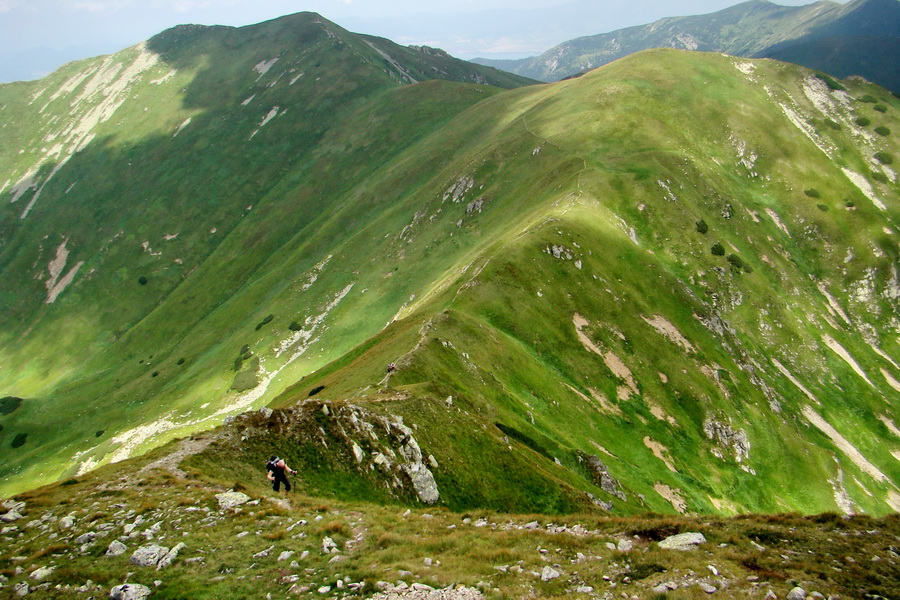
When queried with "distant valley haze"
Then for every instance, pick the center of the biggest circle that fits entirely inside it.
(38, 36)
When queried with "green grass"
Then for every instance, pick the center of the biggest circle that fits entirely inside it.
(336, 225)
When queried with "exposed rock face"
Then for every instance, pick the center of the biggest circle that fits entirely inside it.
(369, 442)
(601, 476)
(728, 437)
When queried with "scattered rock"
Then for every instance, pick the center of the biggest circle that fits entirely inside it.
(129, 591)
(229, 500)
(21, 589)
(667, 586)
(683, 541)
(170, 556)
(328, 546)
(709, 589)
(264, 553)
(67, 522)
(149, 556)
(585, 589)
(42, 573)
(549, 573)
(798, 593)
(116, 548)
(10, 516)
(88, 537)
(625, 546)
(285, 555)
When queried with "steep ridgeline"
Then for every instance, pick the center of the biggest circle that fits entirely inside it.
(673, 285)
(856, 38)
(157, 201)
(669, 285)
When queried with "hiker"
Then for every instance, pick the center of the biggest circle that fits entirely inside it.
(276, 470)
(391, 368)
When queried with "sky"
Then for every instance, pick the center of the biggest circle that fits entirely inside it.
(37, 36)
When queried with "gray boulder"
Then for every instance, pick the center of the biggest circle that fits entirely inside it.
(798, 593)
(549, 573)
(229, 500)
(116, 548)
(683, 541)
(42, 573)
(9, 517)
(129, 591)
(170, 556)
(149, 556)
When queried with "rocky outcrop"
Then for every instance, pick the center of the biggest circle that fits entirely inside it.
(373, 444)
(729, 438)
(600, 474)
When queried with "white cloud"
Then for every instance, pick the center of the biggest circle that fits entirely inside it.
(8, 5)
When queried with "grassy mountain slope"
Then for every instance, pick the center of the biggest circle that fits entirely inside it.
(856, 38)
(687, 307)
(155, 185)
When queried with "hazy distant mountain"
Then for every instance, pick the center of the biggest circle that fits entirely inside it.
(857, 38)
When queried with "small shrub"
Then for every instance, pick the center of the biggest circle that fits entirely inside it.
(238, 363)
(831, 83)
(884, 158)
(315, 390)
(247, 356)
(868, 99)
(863, 121)
(265, 321)
(702, 227)
(99, 433)
(295, 326)
(275, 535)
(19, 440)
(70, 481)
(849, 203)
(180, 361)
(882, 130)
(880, 108)
(717, 249)
(833, 124)
(245, 380)
(155, 374)
(812, 193)
(879, 176)
(142, 280)
(736, 261)
(337, 528)
(822, 207)
(244, 349)
(9, 404)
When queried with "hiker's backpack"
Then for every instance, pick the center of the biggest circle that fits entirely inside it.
(272, 465)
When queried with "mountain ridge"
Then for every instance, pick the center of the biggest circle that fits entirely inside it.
(757, 28)
(581, 298)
